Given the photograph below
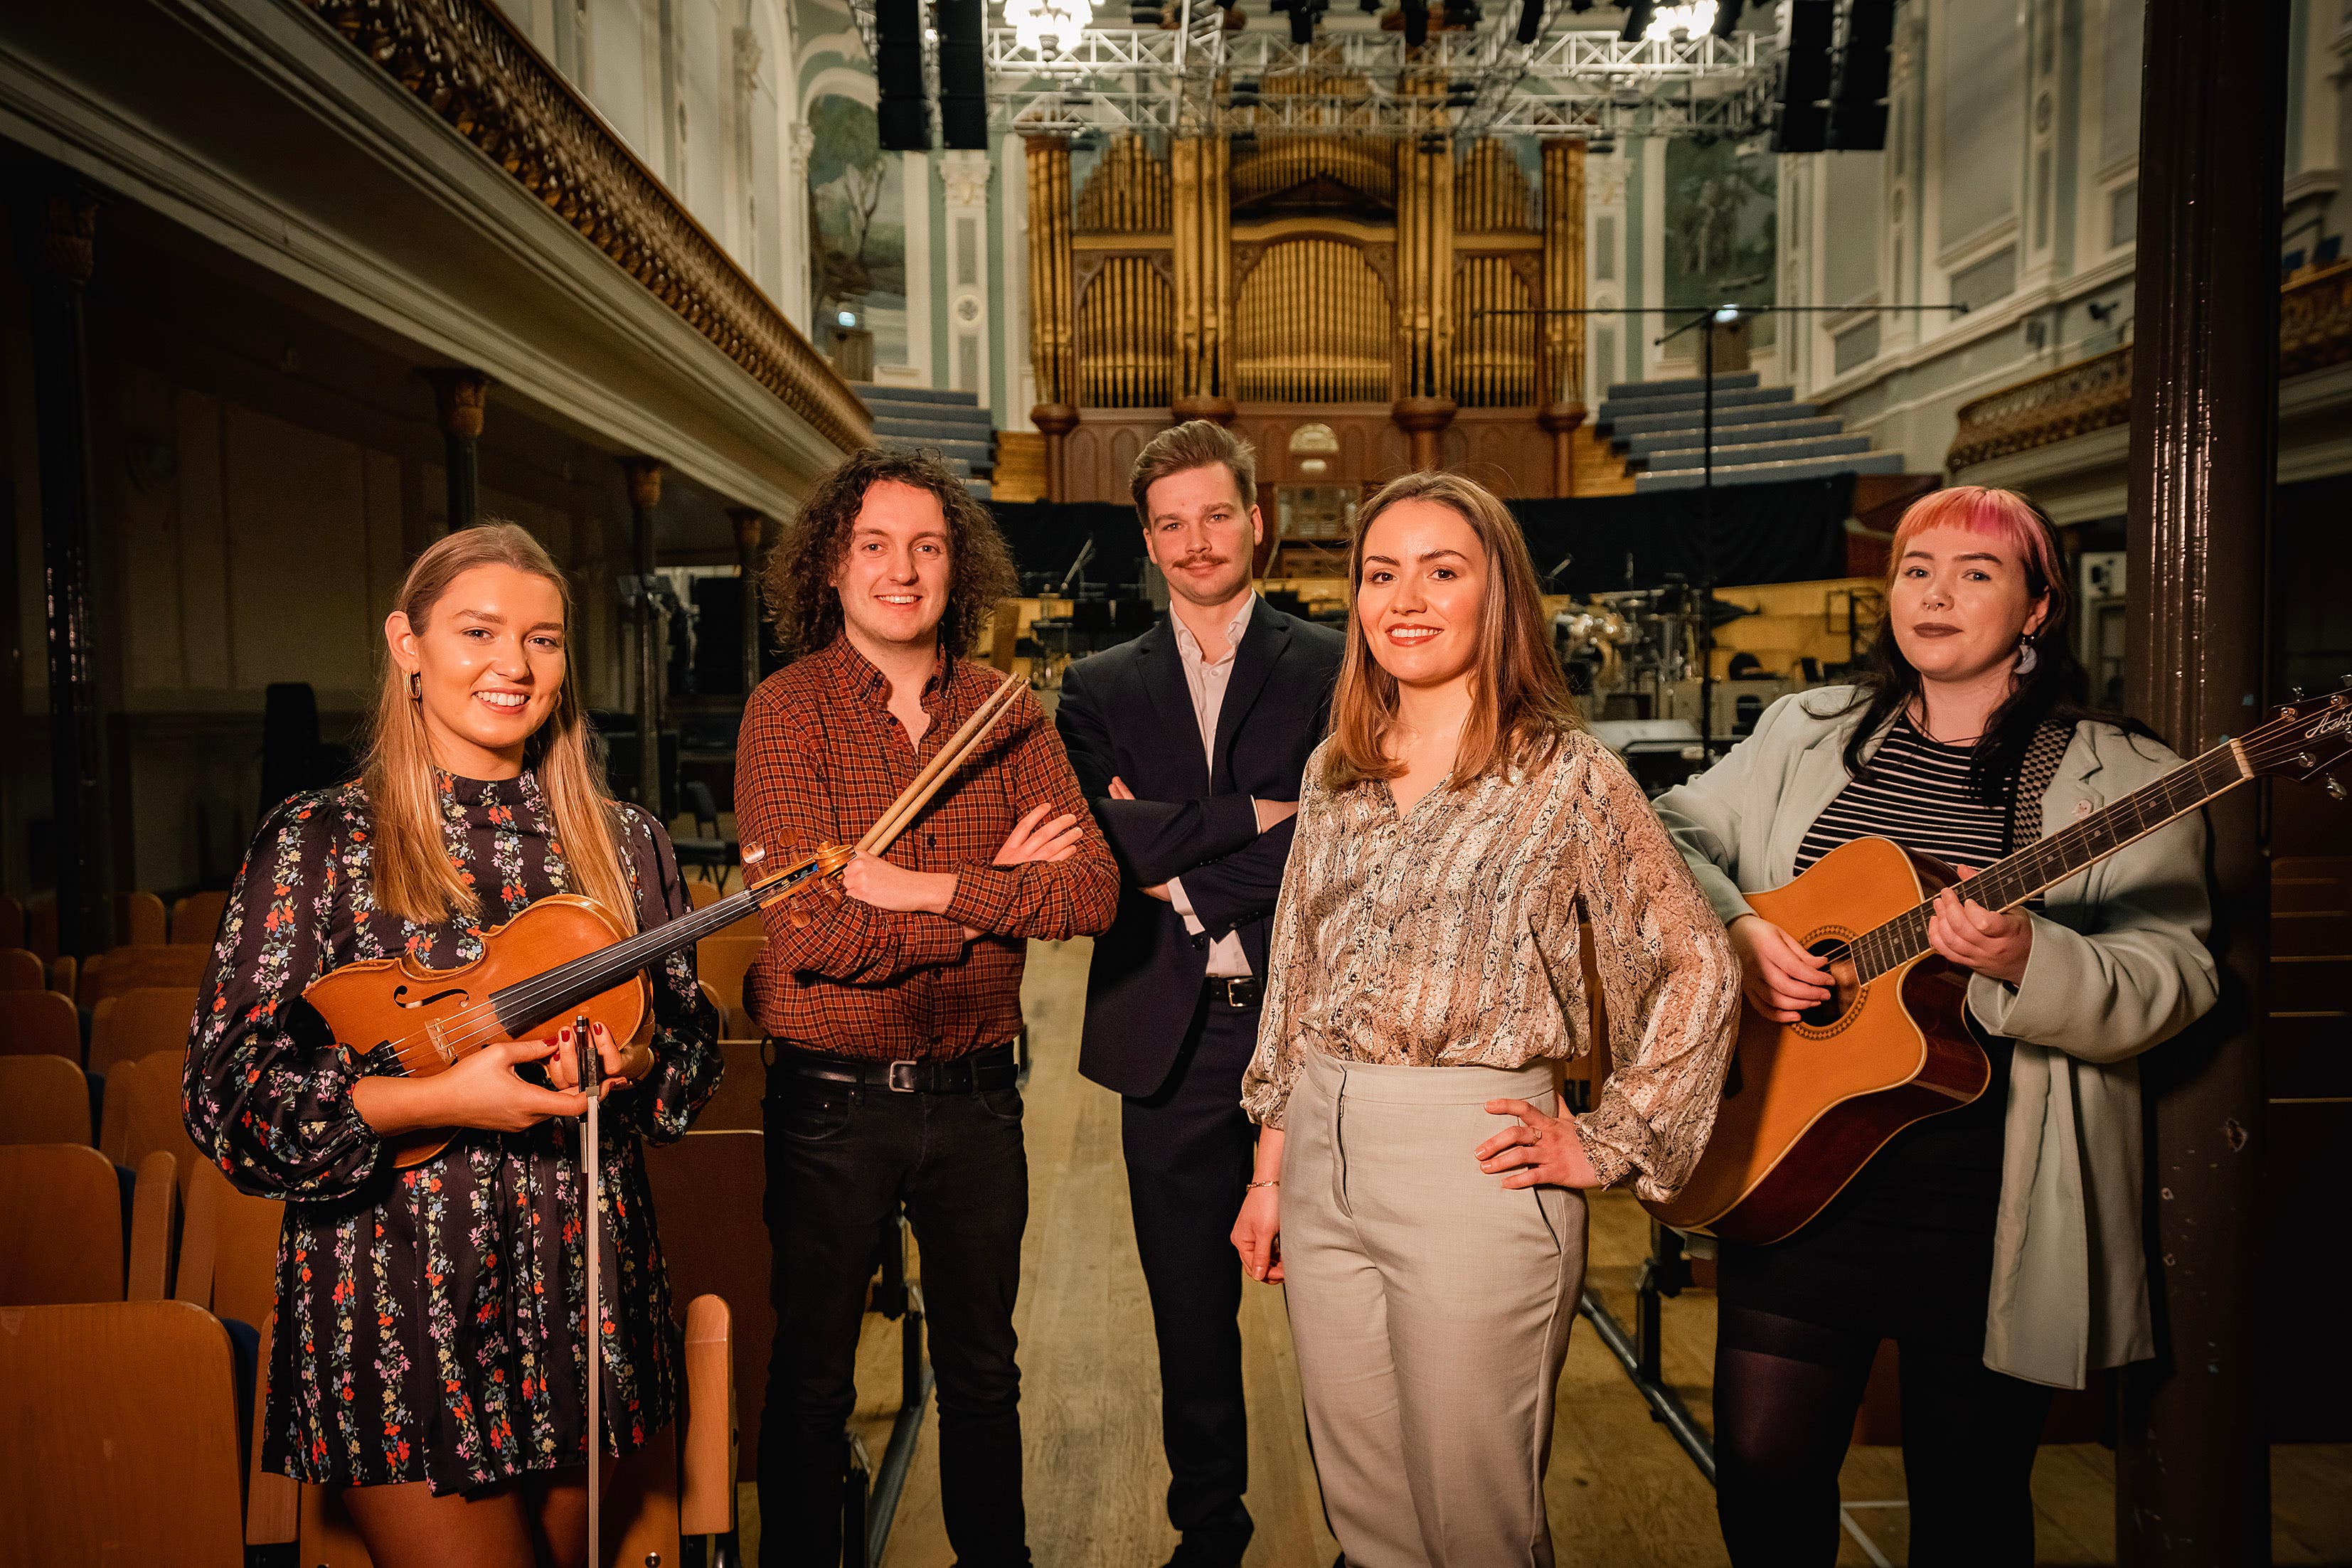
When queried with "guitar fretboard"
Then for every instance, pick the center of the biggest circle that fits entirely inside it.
(2017, 877)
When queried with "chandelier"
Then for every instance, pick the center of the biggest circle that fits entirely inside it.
(1036, 21)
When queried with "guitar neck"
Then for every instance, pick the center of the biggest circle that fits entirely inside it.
(2011, 881)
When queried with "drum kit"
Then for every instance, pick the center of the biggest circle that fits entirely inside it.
(1637, 661)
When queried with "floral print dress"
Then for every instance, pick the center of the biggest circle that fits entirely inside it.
(429, 1319)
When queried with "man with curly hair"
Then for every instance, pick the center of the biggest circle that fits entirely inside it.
(890, 1017)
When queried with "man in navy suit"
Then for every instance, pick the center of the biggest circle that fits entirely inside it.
(1189, 743)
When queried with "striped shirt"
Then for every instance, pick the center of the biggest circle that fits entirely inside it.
(1914, 790)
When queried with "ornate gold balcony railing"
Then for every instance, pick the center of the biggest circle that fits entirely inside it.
(2315, 331)
(466, 62)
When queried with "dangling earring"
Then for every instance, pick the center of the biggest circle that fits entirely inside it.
(417, 686)
(2027, 657)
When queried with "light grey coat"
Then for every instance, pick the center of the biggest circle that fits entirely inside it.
(2119, 964)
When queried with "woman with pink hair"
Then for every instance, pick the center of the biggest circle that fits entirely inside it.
(1997, 1244)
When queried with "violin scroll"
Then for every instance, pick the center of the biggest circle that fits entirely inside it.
(811, 879)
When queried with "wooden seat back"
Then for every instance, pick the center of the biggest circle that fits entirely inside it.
(120, 969)
(721, 961)
(196, 918)
(40, 1023)
(42, 1100)
(141, 1022)
(734, 1106)
(61, 1228)
(21, 970)
(119, 1437)
(228, 1250)
(707, 1189)
(142, 1113)
(139, 919)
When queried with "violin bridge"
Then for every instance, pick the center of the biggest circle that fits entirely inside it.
(433, 1033)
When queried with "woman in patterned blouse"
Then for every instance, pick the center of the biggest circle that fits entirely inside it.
(1415, 1184)
(428, 1354)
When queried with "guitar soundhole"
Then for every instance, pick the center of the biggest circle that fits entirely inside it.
(1830, 1011)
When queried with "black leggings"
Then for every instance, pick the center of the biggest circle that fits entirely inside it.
(1785, 1397)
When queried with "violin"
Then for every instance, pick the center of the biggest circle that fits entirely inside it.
(567, 954)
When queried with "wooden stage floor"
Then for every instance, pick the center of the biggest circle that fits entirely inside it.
(1620, 1491)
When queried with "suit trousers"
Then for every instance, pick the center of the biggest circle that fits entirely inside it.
(1430, 1306)
(1189, 1149)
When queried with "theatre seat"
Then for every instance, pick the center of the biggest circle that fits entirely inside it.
(139, 919)
(142, 1113)
(721, 961)
(707, 1189)
(120, 969)
(228, 1250)
(141, 1022)
(42, 1100)
(40, 1023)
(119, 1437)
(20, 970)
(61, 1227)
(196, 918)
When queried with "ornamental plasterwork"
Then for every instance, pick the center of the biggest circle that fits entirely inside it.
(964, 174)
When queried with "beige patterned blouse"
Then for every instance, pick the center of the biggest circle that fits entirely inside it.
(1448, 937)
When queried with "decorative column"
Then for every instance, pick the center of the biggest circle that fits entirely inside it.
(56, 236)
(2192, 1472)
(1053, 331)
(458, 394)
(645, 476)
(750, 523)
(1202, 266)
(964, 176)
(1425, 286)
(1560, 397)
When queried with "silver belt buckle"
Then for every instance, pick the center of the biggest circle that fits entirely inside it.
(902, 1078)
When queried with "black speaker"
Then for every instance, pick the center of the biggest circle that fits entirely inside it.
(1799, 120)
(903, 116)
(1416, 22)
(1865, 38)
(1530, 27)
(963, 75)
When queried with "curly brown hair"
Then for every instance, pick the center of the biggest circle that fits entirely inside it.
(796, 584)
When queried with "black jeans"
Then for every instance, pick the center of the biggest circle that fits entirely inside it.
(1189, 1149)
(840, 1159)
(1785, 1396)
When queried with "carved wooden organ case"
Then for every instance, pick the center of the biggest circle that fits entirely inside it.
(1312, 290)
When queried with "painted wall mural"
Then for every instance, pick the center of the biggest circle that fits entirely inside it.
(1720, 221)
(858, 221)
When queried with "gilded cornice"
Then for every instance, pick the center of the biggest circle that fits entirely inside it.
(464, 62)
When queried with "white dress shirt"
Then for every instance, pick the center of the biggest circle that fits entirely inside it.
(1207, 680)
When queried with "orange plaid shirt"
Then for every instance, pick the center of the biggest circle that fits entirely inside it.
(820, 759)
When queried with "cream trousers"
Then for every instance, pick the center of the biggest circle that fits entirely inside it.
(1430, 1306)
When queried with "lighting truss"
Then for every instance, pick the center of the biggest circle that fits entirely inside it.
(1198, 78)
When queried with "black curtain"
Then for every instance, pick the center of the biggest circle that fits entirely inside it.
(1046, 535)
(1789, 531)
(1792, 532)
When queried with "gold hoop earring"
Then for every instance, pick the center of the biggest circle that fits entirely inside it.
(417, 686)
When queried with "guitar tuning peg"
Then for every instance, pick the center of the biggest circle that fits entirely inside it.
(2295, 692)
(2336, 790)
(2303, 760)
(753, 854)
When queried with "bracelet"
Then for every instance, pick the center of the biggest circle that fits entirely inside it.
(1253, 1186)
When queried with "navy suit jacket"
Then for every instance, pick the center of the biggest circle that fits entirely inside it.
(1127, 713)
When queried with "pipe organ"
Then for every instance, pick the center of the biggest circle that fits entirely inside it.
(1384, 295)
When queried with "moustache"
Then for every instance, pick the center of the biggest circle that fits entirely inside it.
(1193, 562)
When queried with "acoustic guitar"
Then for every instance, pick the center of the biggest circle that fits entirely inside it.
(1806, 1105)
(565, 955)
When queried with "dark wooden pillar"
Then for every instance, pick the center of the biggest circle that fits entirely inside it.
(57, 233)
(2192, 1476)
(458, 395)
(645, 476)
(751, 526)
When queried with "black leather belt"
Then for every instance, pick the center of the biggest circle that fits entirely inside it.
(991, 1067)
(1234, 990)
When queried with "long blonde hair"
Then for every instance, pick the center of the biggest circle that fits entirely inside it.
(410, 868)
(1519, 704)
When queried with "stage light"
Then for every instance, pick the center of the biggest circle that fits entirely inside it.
(1725, 315)
(1034, 22)
(1660, 24)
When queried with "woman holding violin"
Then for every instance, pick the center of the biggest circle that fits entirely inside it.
(429, 1355)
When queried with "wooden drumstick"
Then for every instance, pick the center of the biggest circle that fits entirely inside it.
(950, 756)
